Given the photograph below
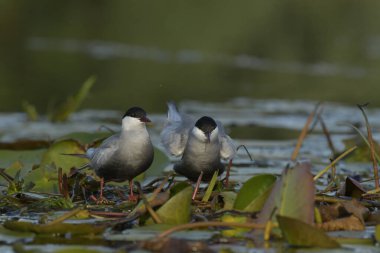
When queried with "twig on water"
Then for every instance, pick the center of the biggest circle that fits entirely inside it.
(65, 216)
(334, 162)
(372, 146)
(152, 213)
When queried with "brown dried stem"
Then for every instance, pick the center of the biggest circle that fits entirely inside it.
(303, 133)
(148, 207)
(372, 147)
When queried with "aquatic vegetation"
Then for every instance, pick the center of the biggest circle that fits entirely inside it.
(294, 197)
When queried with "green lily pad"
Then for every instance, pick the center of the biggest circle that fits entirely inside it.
(56, 155)
(8, 236)
(60, 228)
(44, 180)
(234, 232)
(27, 158)
(301, 234)
(177, 209)
(254, 193)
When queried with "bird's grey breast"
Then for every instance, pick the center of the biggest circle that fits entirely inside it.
(202, 154)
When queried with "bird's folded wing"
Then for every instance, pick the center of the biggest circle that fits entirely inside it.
(101, 154)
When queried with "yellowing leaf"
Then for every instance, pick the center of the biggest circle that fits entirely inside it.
(234, 232)
(301, 234)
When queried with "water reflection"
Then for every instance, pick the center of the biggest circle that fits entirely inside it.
(107, 50)
(148, 54)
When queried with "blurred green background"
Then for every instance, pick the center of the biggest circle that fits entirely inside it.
(147, 52)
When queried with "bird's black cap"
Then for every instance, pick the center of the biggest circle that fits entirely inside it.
(206, 124)
(137, 112)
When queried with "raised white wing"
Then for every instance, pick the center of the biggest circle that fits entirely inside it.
(228, 147)
(176, 131)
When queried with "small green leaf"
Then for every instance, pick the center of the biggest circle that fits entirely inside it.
(301, 234)
(254, 193)
(177, 209)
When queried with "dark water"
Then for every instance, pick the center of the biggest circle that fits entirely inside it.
(146, 52)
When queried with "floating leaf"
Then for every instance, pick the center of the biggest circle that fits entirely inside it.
(55, 155)
(234, 232)
(177, 209)
(254, 192)
(9, 236)
(28, 158)
(60, 228)
(301, 234)
(292, 195)
(44, 180)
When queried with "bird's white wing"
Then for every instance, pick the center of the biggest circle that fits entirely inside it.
(101, 154)
(228, 147)
(176, 131)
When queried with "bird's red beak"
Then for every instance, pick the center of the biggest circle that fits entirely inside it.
(145, 119)
(208, 135)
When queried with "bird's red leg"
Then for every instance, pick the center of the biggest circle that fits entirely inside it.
(132, 197)
(197, 185)
(228, 173)
(101, 199)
